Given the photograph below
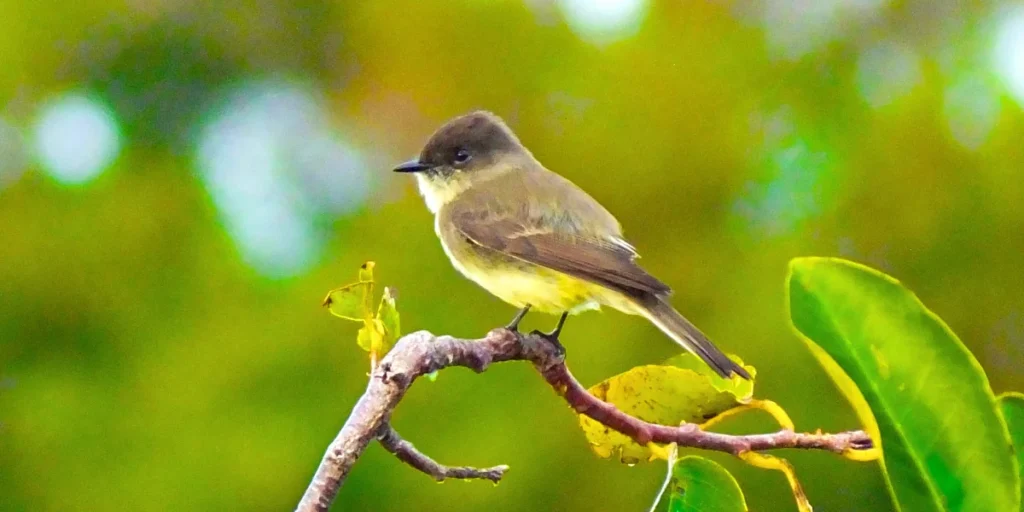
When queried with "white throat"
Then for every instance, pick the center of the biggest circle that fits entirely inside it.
(437, 194)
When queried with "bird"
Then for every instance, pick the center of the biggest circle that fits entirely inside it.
(534, 239)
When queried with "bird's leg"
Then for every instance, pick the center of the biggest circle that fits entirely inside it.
(552, 336)
(514, 325)
(558, 328)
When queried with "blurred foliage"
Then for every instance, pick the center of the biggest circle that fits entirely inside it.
(939, 453)
(150, 360)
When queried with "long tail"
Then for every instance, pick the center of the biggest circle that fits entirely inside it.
(663, 315)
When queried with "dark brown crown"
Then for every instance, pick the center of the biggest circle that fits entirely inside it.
(481, 133)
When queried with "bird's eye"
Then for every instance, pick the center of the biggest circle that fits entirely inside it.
(462, 156)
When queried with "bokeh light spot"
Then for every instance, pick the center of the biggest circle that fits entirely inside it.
(971, 110)
(795, 28)
(603, 21)
(886, 72)
(800, 181)
(1008, 53)
(276, 172)
(76, 138)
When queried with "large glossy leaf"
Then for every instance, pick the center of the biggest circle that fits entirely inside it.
(944, 445)
(668, 395)
(1012, 407)
(702, 485)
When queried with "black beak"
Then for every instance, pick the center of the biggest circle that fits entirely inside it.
(413, 166)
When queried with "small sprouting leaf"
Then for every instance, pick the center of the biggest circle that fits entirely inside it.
(432, 376)
(387, 313)
(668, 395)
(377, 345)
(355, 302)
(702, 485)
(367, 337)
(366, 276)
(366, 272)
(349, 302)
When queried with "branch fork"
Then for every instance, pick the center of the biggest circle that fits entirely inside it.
(420, 353)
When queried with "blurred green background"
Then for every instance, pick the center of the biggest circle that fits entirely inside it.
(182, 181)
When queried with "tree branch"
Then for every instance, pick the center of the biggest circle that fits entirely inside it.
(420, 353)
(690, 435)
(408, 454)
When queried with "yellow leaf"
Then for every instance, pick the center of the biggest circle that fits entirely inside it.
(777, 412)
(771, 462)
(349, 302)
(365, 338)
(366, 271)
(733, 384)
(366, 276)
(668, 395)
(387, 314)
(377, 345)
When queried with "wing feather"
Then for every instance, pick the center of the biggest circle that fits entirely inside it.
(608, 262)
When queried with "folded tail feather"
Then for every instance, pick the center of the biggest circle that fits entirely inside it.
(666, 318)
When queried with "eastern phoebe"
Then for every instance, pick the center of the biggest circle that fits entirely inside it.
(533, 238)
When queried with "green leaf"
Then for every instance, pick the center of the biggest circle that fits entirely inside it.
(668, 395)
(387, 313)
(702, 485)
(1012, 407)
(349, 302)
(919, 390)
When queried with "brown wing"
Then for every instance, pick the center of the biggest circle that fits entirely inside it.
(592, 259)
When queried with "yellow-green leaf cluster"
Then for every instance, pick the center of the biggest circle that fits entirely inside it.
(380, 330)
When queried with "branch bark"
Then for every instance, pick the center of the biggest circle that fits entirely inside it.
(408, 454)
(420, 353)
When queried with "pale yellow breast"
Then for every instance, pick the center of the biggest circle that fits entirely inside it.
(521, 283)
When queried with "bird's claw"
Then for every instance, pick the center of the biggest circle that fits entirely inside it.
(514, 324)
(552, 338)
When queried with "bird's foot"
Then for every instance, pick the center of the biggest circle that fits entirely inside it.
(552, 337)
(514, 324)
